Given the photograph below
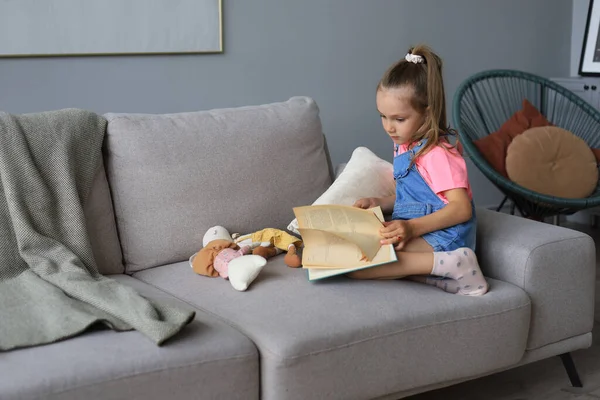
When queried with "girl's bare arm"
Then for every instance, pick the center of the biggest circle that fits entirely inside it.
(457, 211)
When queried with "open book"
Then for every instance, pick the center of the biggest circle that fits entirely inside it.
(340, 239)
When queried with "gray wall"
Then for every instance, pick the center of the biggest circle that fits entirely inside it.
(332, 50)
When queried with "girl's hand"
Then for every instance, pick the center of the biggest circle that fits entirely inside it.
(398, 232)
(367, 202)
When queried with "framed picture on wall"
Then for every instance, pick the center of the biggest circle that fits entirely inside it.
(589, 63)
(32, 28)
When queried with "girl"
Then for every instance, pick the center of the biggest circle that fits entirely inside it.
(433, 216)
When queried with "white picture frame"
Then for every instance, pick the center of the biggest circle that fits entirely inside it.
(589, 63)
(34, 28)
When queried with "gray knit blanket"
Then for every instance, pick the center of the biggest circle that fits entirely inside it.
(50, 287)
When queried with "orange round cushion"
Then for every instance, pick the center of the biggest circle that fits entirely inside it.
(552, 161)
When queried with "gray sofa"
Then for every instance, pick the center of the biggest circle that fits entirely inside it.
(167, 178)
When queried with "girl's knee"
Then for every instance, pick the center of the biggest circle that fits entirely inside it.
(360, 274)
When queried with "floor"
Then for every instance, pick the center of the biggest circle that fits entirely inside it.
(542, 380)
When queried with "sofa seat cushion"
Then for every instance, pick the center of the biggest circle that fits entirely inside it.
(348, 339)
(206, 360)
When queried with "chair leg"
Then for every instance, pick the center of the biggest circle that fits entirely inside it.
(556, 220)
(502, 203)
(569, 365)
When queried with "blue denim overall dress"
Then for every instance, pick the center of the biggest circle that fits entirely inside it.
(415, 198)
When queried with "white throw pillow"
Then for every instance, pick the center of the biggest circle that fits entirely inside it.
(365, 175)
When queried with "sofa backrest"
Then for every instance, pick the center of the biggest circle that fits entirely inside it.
(102, 231)
(173, 176)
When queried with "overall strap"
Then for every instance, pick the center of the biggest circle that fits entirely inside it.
(403, 163)
(417, 147)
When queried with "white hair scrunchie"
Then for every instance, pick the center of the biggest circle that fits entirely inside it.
(414, 58)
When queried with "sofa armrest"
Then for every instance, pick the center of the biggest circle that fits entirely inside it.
(555, 266)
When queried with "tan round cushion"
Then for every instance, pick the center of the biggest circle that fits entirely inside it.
(552, 161)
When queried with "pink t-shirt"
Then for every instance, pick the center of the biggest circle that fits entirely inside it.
(442, 170)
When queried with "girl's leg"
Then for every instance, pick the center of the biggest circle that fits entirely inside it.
(415, 259)
(446, 284)
(418, 245)
(459, 265)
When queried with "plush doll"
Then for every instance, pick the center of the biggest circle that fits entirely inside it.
(278, 240)
(241, 259)
(221, 256)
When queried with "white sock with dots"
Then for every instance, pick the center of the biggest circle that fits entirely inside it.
(446, 284)
(462, 266)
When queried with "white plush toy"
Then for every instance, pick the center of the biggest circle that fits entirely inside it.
(221, 256)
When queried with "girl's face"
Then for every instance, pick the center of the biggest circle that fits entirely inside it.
(400, 120)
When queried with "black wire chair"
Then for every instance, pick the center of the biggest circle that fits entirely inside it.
(486, 100)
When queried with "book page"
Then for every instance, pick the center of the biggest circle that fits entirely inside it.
(325, 249)
(387, 253)
(333, 255)
(378, 213)
(356, 225)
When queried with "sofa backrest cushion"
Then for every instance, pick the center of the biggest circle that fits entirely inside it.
(102, 231)
(173, 176)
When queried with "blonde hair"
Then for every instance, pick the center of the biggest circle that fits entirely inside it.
(425, 77)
